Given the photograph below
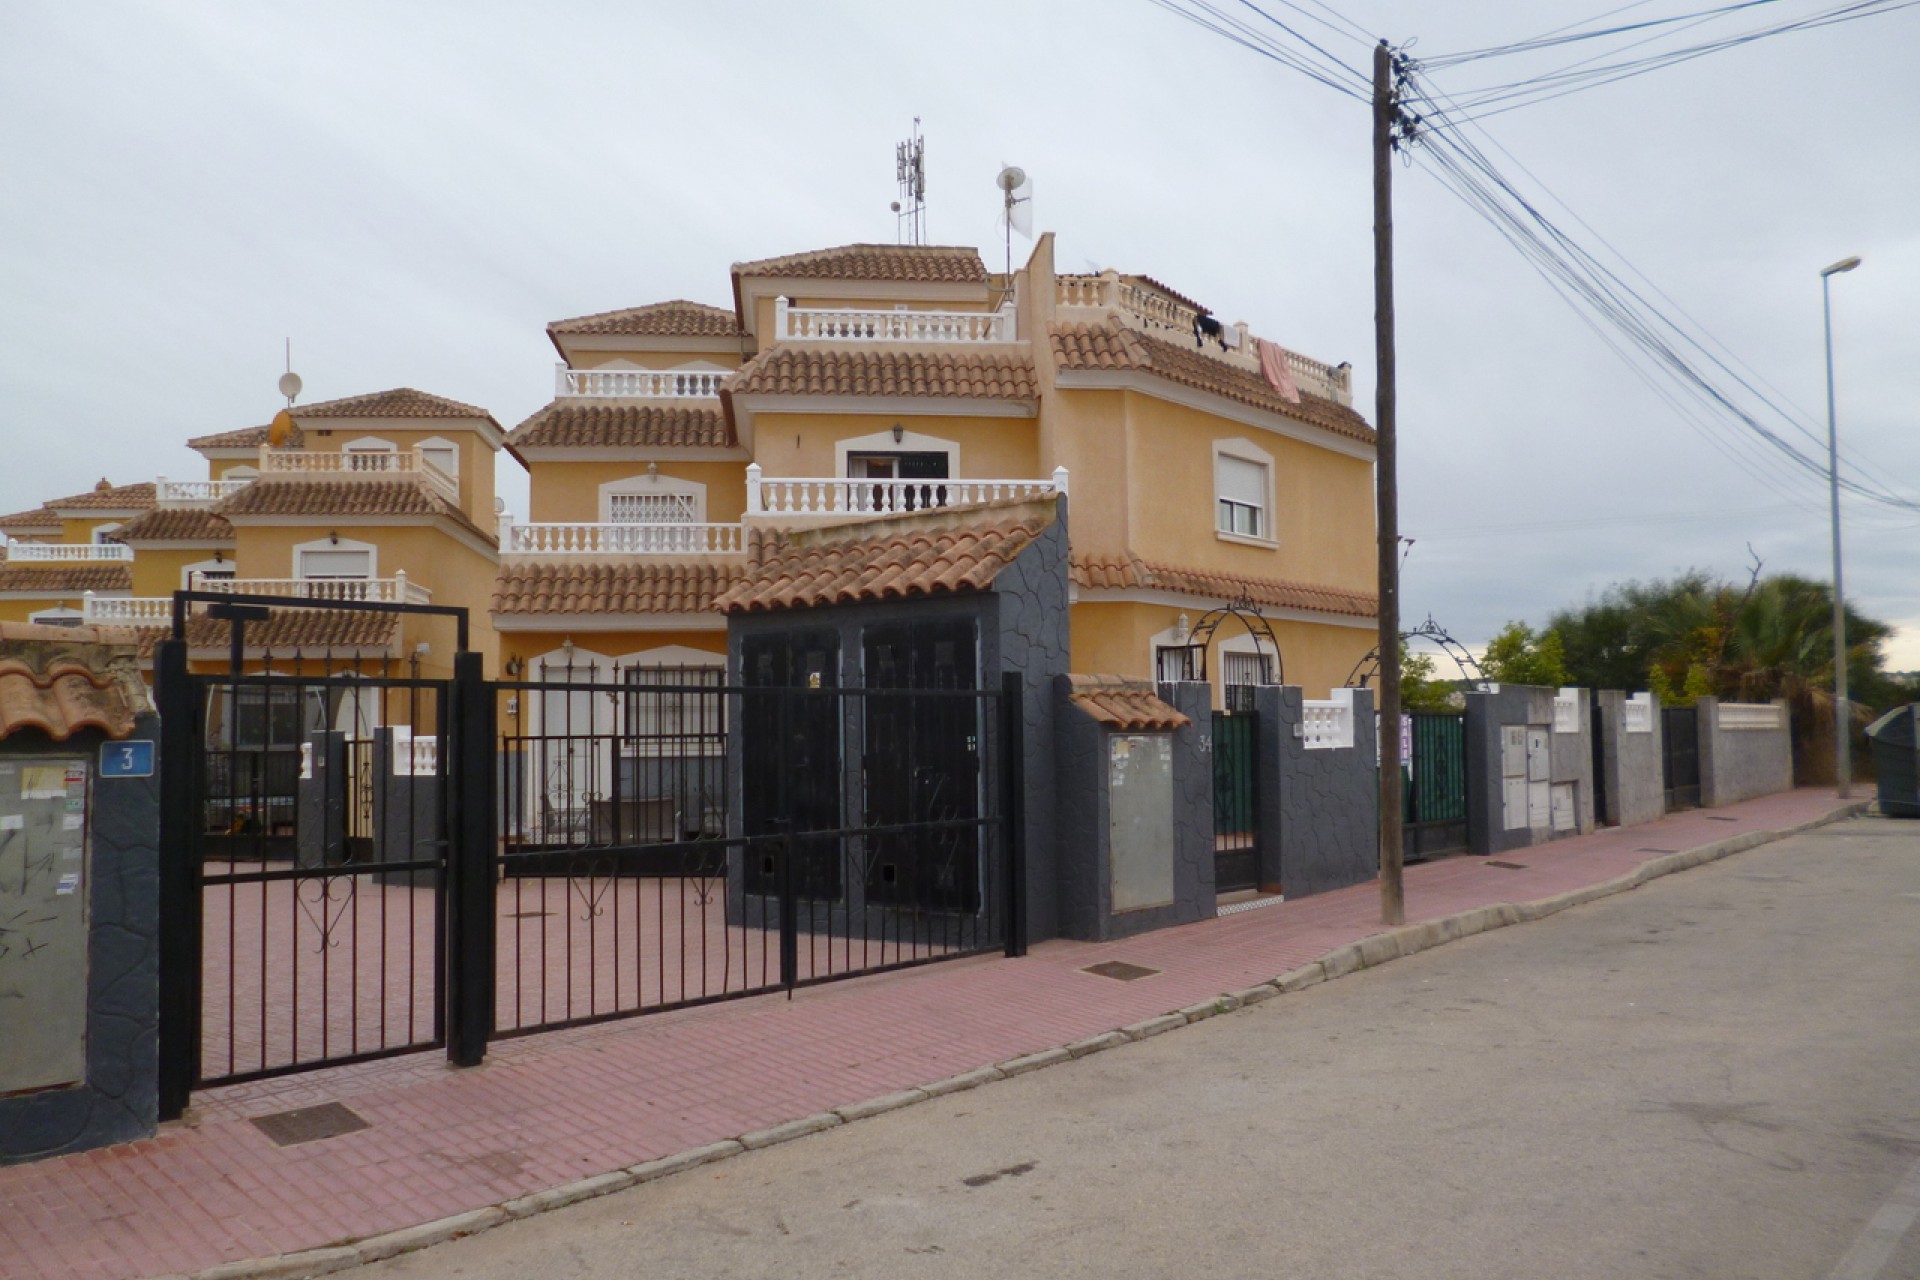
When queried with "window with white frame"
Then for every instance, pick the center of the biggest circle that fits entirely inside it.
(1172, 662)
(653, 499)
(369, 453)
(1245, 668)
(58, 617)
(1242, 486)
(102, 534)
(442, 455)
(334, 559)
(205, 571)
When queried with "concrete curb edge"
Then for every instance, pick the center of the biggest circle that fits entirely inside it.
(1369, 952)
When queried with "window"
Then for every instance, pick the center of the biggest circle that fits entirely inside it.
(443, 456)
(675, 710)
(1246, 668)
(1172, 662)
(334, 564)
(103, 534)
(652, 508)
(1241, 484)
(57, 618)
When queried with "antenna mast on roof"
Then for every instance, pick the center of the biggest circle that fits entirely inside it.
(910, 210)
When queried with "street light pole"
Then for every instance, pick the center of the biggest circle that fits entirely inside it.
(1842, 719)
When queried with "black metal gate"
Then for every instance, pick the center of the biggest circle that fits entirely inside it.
(669, 841)
(1236, 821)
(1434, 798)
(1680, 756)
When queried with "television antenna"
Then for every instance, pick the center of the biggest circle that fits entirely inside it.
(910, 210)
(1016, 190)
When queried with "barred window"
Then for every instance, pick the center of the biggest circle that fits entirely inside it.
(677, 710)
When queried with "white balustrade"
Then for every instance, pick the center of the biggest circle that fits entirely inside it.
(859, 496)
(68, 552)
(1327, 724)
(1566, 711)
(126, 611)
(356, 464)
(638, 384)
(624, 539)
(394, 590)
(1637, 713)
(854, 324)
(195, 493)
(415, 757)
(1750, 716)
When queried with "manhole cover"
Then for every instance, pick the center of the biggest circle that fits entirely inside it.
(1119, 969)
(1510, 866)
(309, 1124)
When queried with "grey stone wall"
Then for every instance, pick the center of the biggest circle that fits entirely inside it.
(118, 1100)
(408, 821)
(1572, 757)
(1570, 760)
(1085, 809)
(1739, 764)
(1635, 785)
(1320, 809)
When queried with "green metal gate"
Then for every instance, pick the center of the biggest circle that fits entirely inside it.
(1236, 823)
(1433, 811)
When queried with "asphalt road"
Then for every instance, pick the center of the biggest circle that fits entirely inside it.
(1716, 1075)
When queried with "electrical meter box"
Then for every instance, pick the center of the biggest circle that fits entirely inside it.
(45, 819)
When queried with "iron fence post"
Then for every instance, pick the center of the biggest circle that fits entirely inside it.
(1013, 797)
(180, 905)
(469, 868)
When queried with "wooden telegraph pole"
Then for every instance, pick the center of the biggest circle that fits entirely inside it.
(1393, 907)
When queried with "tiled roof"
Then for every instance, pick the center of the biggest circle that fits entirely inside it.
(935, 552)
(533, 588)
(1109, 346)
(109, 497)
(56, 579)
(920, 263)
(1129, 572)
(676, 319)
(37, 518)
(60, 680)
(1120, 703)
(785, 371)
(399, 496)
(286, 632)
(175, 524)
(571, 424)
(401, 402)
(245, 438)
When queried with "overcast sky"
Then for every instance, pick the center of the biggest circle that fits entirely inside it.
(410, 192)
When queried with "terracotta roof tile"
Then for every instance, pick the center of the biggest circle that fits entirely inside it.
(926, 553)
(812, 371)
(1119, 703)
(36, 520)
(175, 524)
(1109, 346)
(401, 402)
(676, 319)
(60, 680)
(535, 588)
(109, 497)
(570, 424)
(56, 579)
(286, 632)
(923, 263)
(398, 496)
(1129, 572)
(244, 438)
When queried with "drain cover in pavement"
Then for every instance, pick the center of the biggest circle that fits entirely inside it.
(309, 1124)
(1119, 969)
(1511, 866)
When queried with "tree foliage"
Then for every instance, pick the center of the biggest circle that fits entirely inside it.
(1520, 656)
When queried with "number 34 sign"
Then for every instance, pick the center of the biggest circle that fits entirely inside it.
(127, 759)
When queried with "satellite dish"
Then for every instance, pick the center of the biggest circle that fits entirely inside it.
(1013, 180)
(280, 430)
(290, 385)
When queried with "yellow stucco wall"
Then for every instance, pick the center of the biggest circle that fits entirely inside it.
(1118, 638)
(569, 492)
(157, 571)
(476, 457)
(803, 444)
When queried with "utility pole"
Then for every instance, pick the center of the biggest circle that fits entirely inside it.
(1393, 902)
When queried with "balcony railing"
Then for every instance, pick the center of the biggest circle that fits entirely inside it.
(356, 464)
(843, 495)
(622, 539)
(68, 552)
(852, 324)
(149, 611)
(1637, 713)
(638, 384)
(195, 493)
(1154, 313)
(1327, 724)
(1566, 711)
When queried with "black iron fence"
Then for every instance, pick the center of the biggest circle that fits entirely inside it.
(1433, 811)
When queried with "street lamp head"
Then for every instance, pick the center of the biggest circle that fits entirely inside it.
(1845, 264)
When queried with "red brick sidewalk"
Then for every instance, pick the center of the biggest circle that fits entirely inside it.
(550, 1109)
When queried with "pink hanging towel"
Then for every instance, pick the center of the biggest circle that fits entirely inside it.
(1273, 364)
